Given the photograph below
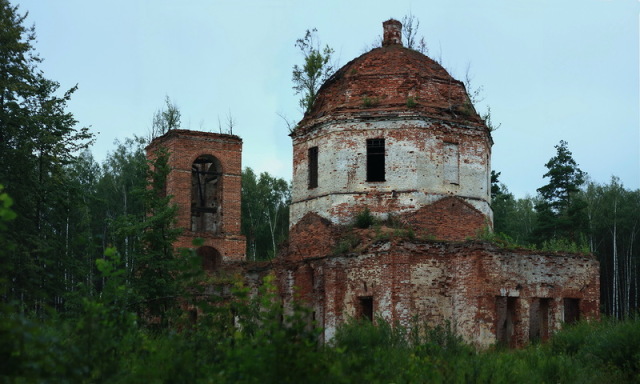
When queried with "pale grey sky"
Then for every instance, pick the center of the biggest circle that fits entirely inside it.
(551, 70)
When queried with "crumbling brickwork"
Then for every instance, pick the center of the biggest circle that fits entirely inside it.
(313, 236)
(394, 133)
(460, 283)
(431, 141)
(213, 216)
(450, 218)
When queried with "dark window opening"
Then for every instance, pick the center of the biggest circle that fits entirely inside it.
(211, 258)
(571, 311)
(313, 167)
(375, 160)
(506, 315)
(366, 308)
(206, 190)
(539, 320)
(313, 279)
(193, 316)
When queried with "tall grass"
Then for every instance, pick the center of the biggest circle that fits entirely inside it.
(253, 340)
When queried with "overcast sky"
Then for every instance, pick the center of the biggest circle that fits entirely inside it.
(550, 70)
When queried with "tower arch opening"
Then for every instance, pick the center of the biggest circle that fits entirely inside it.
(210, 257)
(206, 194)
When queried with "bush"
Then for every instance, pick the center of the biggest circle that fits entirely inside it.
(369, 102)
(346, 243)
(609, 345)
(364, 219)
(252, 339)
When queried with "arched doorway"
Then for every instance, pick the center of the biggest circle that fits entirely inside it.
(211, 258)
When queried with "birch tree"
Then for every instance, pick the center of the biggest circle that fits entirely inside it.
(316, 68)
(265, 213)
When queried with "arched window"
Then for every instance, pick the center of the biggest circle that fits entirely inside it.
(211, 258)
(206, 193)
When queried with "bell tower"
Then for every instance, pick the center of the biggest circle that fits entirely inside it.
(205, 182)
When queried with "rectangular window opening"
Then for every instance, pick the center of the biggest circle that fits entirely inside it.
(366, 308)
(571, 311)
(313, 167)
(539, 320)
(375, 160)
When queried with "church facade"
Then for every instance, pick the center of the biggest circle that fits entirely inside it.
(394, 138)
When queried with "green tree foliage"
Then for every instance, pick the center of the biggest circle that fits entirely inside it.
(120, 202)
(133, 213)
(512, 218)
(78, 246)
(38, 139)
(502, 203)
(265, 213)
(6, 215)
(523, 220)
(155, 266)
(124, 205)
(410, 26)
(561, 212)
(315, 70)
(165, 119)
(105, 332)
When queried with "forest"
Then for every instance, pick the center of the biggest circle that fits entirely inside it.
(91, 287)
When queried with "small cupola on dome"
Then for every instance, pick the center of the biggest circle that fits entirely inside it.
(392, 32)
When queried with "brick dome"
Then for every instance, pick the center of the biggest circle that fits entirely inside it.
(392, 131)
(389, 81)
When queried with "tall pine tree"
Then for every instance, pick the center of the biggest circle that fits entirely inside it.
(561, 212)
(155, 277)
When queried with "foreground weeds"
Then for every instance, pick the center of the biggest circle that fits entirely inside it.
(252, 339)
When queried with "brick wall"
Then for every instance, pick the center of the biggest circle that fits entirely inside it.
(449, 218)
(458, 283)
(312, 236)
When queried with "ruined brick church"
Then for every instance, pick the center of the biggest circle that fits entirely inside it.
(394, 134)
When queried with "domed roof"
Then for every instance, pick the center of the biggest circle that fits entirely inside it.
(392, 81)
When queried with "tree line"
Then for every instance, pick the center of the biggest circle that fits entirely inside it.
(70, 209)
(575, 214)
